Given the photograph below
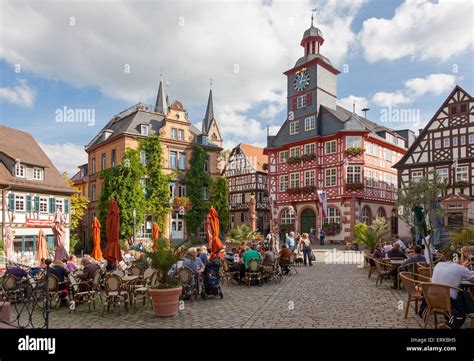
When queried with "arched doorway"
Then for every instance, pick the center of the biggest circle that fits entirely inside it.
(308, 221)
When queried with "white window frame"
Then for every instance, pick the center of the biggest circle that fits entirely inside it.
(283, 183)
(287, 216)
(330, 147)
(310, 148)
(294, 152)
(353, 173)
(175, 159)
(455, 141)
(20, 170)
(310, 123)
(333, 216)
(446, 142)
(20, 203)
(330, 179)
(301, 101)
(144, 129)
(174, 133)
(416, 175)
(353, 141)
(471, 138)
(94, 192)
(365, 215)
(43, 205)
(60, 205)
(294, 180)
(283, 156)
(309, 178)
(294, 127)
(462, 173)
(437, 143)
(37, 173)
(180, 134)
(463, 140)
(443, 173)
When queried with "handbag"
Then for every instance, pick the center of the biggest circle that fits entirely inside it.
(313, 257)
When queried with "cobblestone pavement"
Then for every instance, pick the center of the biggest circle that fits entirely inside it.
(322, 296)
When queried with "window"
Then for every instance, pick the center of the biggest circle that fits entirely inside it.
(369, 148)
(309, 148)
(388, 181)
(206, 165)
(453, 109)
(471, 138)
(301, 101)
(19, 203)
(443, 173)
(416, 175)
(205, 193)
(310, 123)
(387, 154)
(144, 129)
(181, 190)
(60, 205)
(102, 163)
(113, 158)
(172, 189)
(463, 108)
(93, 193)
(309, 178)
(368, 177)
(287, 216)
(294, 180)
(43, 205)
(294, 152)
(294, 127)
(283, 156)
(174, 133)
(462, 174)
(455, 141)
(182, 160)
(172, 160)
(143, 157)
(181, 134)
(437, 144)
(366, 215)
(330, 177)
(242, 217)
(283, 183)
(333, 216)
(330, 147)
(463, 139)
(353, 141)
(446, 143)
(37, 173)
(20, 170)
(353, 174)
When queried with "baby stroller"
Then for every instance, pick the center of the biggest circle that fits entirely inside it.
(212, 280)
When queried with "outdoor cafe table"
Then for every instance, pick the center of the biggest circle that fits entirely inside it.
(128, 284)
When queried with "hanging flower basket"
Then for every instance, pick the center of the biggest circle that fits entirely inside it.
(331, 229)
(294, 160)
(354, 187)
(353, 151)
(308, 157)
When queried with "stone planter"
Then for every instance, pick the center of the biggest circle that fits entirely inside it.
(165, 301)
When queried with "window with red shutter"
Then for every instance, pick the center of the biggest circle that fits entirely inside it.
(308, 99)
(294, 103)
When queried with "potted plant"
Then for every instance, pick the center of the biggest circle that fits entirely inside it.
(166, 292)
(308, 157)
(294, 160)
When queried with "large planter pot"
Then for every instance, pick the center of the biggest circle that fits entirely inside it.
(165, 301)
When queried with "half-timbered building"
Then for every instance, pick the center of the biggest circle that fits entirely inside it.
(246, 176)
(322, 146)
(446, 146)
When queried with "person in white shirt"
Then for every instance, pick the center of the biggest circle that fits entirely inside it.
(403, 247)
(451, 274)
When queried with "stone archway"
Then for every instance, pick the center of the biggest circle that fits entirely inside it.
(307, 220)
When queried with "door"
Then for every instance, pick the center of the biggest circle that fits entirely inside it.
(308, 221)
(177, 229)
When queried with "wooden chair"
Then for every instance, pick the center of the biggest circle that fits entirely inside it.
(424, 271)
(253, 272)
(135, 270)
(410, 281)
(383, 268)
(369, 261)
(80, 292)
(438, 300)
(189, 283)
(115, 293)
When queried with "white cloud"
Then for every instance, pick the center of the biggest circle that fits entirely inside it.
(390, 99)
(420, 29)
(360, 103)
(433, 84)
(66, 156)
(21, 94)
(244, 46)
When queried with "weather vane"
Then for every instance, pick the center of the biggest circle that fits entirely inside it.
(210, 82)
(312, 15)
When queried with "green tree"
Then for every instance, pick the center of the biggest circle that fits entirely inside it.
(220, 201)
(124, 184)
(196, 179)
(157, 184)
(78, 205)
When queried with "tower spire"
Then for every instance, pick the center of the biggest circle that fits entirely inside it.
(161, 105)
(312, 16)
(206, 123)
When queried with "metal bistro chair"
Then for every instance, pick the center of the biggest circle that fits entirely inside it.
(410, 281)
(11, 291)
(189, 282)
(383, 268)
(369, 260)
(135, 270)
(438, 300)
(229, 275)
(140, 286)
(56, 291)
(115, 293)
(253, 272)
(80, 292)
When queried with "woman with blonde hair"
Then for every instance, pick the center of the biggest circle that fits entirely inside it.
(305, 245)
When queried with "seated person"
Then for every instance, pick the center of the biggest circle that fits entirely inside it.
(378, 252)
(249, 255)
(405, 266)
(268, 257)
(395, 252)
(193, 262)
(202, 254)
(71, 264)
(229, 256)
(403, 247)
(58, 269)
(452, 273)
(387, 247)
(88, 270)
(466, 257)
(285, 254)
(16, 271)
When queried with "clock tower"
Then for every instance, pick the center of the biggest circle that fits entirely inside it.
(312, 81)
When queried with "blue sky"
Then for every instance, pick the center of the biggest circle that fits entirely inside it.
(402, 55)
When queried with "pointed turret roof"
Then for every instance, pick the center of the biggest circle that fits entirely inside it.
(354, 123)
(207, 121)
(161, 105)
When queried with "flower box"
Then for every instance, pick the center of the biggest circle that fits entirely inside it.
(293, 190)
(354, 187)
(353, 151)
(308, 189)
(294, 160)
(308, 157)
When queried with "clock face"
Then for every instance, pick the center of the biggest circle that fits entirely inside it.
(302, 80)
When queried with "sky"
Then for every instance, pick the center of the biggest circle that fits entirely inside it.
(104, 56)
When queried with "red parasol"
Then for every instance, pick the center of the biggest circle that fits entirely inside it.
(212, 231)
(96, 251)
(41, 248)
(112, 249)
(155, 234)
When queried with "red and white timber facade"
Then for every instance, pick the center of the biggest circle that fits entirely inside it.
(324, 147)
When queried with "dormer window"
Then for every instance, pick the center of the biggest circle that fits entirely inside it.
(37, 174)
(144, 129)
(20, 170)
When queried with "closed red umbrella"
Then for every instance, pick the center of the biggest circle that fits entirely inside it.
(155, 234)
(112, 250)
(41, 248)
(212, 231)
(96, 251)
